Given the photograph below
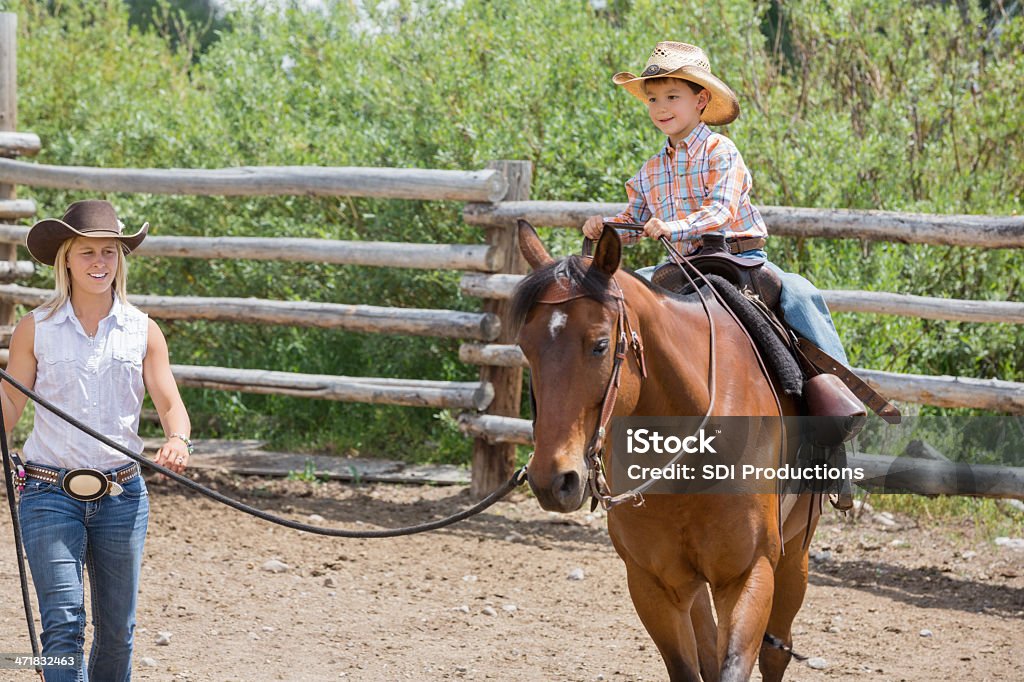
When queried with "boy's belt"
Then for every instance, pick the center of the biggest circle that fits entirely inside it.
(737, 246)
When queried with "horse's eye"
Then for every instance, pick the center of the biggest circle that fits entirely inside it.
(601, 347)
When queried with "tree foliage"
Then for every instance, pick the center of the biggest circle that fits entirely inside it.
(853, 104)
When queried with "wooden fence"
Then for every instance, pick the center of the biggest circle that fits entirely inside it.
(943, 391)
(495, 197)
(450, 185)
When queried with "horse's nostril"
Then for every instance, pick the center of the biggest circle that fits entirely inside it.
(570, 483)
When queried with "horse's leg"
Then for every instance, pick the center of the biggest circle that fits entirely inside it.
(706, 632)
(667, 624)
(743, 607)
(790, 587)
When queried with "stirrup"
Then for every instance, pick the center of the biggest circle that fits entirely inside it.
(843, 500)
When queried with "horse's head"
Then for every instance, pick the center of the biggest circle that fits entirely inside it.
(567, 312)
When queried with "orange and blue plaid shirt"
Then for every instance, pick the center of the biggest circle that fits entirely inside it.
(701, 185)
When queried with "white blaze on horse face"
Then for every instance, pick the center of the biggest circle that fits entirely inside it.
(557, 323)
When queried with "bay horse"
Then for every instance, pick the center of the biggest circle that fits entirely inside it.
(749, 550)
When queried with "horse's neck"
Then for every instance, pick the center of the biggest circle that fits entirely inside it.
(676, 341)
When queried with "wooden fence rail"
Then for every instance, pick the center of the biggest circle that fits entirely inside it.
(931, 477)
(408, 392)
(942, 391)
(19, 144)
(924, 307)
(916, 475)
(496, 428)
(357, 318)
(839, 301)
(381, 254)
(911, 228)
(11, 271)
(16, 209)
(948, 391)
(392, 183)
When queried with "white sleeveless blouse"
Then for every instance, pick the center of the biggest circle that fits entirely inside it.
(96, 380)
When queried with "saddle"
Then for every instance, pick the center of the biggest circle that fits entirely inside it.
(714, 258)
(829, 389)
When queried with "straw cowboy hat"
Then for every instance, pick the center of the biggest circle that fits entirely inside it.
(679, 60)
(91, 218)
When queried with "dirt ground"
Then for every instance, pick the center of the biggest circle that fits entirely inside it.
(492, 597)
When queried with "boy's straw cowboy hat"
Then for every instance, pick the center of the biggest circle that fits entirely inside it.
(679, 60)
(91, 218)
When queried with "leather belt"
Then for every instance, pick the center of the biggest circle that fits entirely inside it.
(51, 475)
(737, 246)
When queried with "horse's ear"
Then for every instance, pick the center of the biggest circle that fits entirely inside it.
(532, 247)
(608, 253)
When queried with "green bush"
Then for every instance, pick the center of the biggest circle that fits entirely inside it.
(860, 104)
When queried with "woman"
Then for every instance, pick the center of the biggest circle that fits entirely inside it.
(92, 354)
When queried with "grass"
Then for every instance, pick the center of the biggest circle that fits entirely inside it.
(308, 473)
(990, 518)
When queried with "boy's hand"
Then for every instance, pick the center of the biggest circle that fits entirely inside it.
(656, 229)
(593, 227)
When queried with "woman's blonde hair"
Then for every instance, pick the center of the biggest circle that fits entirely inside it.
(62, 280)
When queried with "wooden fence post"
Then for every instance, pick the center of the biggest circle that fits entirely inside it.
(8, 123)
(493, 463)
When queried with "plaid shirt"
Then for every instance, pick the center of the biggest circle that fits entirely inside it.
(701, 185)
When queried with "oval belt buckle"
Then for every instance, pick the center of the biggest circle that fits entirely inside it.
(88, 485)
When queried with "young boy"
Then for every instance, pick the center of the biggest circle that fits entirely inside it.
(698, 184)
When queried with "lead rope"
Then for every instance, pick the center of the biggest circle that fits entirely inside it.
(518, 477)
(9, 475)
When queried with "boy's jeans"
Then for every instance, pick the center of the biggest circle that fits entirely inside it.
(61, 535)
(803, 307)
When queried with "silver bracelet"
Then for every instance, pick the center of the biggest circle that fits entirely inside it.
(185, 440)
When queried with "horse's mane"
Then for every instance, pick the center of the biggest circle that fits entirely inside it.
(573, 271)
(592, 282)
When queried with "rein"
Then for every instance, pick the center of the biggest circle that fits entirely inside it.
(597, 479)
(595, 451)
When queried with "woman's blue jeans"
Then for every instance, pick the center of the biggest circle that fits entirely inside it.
(803, 307)
(61, 535)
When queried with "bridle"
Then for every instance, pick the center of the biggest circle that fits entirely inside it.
(563, 291)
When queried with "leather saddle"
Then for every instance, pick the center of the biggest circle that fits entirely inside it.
(746, 274)
(831, 390)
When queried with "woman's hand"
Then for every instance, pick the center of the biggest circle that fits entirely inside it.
(156, 373)
(173, 455)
